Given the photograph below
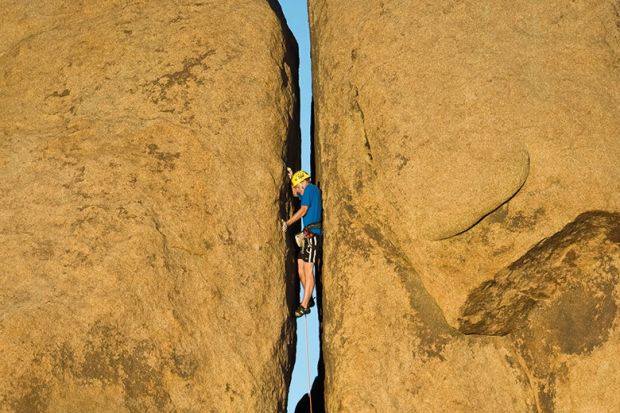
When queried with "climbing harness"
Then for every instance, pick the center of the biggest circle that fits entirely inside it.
(308, 229)
(300, 237)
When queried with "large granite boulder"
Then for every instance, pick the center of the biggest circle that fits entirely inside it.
(452, 139)
(142, 150)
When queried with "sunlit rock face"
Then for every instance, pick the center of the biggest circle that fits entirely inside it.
(468, 155)
(135, 138)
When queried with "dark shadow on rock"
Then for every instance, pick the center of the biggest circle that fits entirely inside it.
(318, 401)
(292, 47)
(554, 302)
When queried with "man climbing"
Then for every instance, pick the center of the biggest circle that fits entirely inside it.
(310, 210)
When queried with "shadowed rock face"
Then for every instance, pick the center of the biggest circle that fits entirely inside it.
(558, 305)
(133, 140)
(452, 139)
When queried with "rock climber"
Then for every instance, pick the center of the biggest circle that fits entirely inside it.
(311, 248)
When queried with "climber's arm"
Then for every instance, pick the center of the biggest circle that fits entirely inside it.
(297, 215)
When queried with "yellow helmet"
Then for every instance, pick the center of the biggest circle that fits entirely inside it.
(299, 177)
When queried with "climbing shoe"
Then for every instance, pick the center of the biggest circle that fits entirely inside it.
(311, 302)
(301, 310)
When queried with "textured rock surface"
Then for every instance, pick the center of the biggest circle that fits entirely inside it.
(559, 305)
(452, 138)
(133, 277)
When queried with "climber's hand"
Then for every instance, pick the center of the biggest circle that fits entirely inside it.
(284, 226)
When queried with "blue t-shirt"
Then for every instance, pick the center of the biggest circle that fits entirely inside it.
(312, 199)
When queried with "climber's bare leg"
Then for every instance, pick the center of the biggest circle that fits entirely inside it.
(300, 271)
(309, 285)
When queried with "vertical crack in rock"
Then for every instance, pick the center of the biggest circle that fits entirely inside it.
(291, 156)
(358, 108)
(294, 160)
(164, 239)
(530, 379)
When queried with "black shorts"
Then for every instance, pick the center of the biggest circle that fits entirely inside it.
(312, 248)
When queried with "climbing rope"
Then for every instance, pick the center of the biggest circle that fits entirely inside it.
(308, 364)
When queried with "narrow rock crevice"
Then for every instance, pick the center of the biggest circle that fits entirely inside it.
(358, 109)
(164, 240)
(318, 385)
(291, 156)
